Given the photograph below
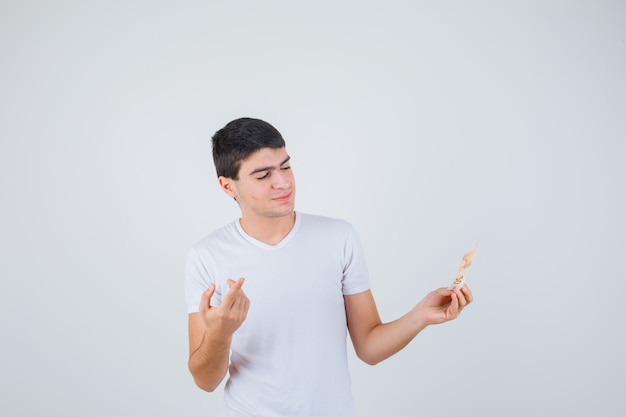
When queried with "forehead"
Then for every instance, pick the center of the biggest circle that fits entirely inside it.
(264, 157)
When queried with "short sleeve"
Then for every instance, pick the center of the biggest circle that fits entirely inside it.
(355, 274)
(197, 280)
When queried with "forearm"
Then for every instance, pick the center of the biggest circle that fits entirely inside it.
(387, 339)
(209, 362)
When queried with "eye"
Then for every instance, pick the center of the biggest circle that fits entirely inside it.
(286, 168)
(267, 174)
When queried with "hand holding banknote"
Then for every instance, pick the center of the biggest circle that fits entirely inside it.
(443, 305)
(446, 304)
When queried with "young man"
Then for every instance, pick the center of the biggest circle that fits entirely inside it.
(283, 339)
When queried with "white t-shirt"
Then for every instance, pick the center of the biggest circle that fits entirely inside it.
(288, 358)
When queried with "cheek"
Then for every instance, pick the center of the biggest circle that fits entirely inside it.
(256, 193)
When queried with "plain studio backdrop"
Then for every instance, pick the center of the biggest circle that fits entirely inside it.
(430, 125)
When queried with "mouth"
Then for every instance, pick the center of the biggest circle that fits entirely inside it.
(283, 198)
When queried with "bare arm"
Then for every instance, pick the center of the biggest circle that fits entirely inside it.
(210, 335)
(375, 341)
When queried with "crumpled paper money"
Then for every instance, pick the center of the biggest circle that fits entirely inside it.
(459, 281)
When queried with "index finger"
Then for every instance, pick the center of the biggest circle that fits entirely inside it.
(467, 293)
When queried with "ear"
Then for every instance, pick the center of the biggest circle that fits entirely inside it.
(228, 186)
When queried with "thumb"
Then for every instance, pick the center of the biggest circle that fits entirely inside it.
(444, 291)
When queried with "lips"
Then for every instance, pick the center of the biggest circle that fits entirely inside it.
(282, 198)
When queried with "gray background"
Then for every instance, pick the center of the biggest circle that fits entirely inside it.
(429, 125)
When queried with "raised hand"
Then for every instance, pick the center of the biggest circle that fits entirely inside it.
(224, 319)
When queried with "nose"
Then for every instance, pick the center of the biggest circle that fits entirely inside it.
(281, 179)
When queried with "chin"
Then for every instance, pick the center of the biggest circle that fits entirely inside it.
(282, 213)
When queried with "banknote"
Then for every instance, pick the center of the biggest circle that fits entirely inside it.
(459, 281)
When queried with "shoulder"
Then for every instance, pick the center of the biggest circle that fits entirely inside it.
(312, 220)
(327, 226)
(225, 234)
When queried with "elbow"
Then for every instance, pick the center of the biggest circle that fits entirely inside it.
(371, 362)
(204, 386)
(204, 381)
(368, 358)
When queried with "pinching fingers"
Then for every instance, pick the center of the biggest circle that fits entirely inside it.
(235, 294)
(232, 284)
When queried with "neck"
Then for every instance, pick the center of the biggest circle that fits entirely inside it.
(269, 230)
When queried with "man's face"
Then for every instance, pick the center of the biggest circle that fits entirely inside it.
(266, 186)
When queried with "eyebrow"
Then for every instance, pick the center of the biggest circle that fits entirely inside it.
(257, 170)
